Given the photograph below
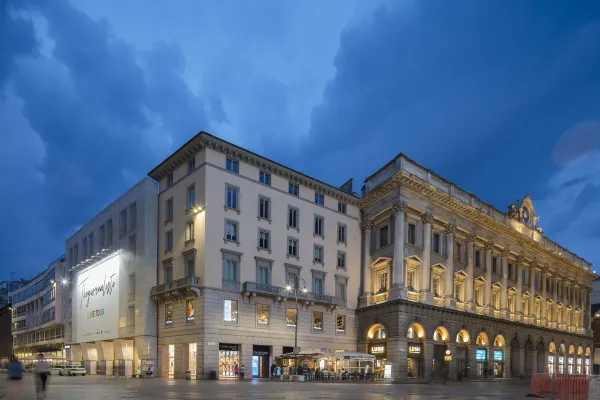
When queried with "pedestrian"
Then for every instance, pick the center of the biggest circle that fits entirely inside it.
(273, 369)
(236, 371)
(15, 374)
(41, 376)
(242, 372)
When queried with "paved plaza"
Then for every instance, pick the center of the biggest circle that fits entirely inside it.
(100, 388)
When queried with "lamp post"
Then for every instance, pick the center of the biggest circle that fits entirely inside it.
(295, 287)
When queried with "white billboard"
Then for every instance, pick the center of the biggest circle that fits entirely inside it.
(96, 302)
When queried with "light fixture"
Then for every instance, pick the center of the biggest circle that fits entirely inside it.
(288, 287)
(304, 290)
(51, 280)
(64, 281)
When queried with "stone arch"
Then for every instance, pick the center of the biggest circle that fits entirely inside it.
(377, 331)
(441, 335)
(463, 337)
(571, 350)
(529, 362)
(552, 348)
(515, 351)
(482, 339)
(588, 352)
(499, 341)
(541, 357)
(415, 331)
(580, 351)
(563, 349)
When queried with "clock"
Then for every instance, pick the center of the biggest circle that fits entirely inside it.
(525, 215)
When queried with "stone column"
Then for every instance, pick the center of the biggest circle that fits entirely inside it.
(490, 354)
(367, 287)
(452, 364)
(521, 356)
(398, 288)
(507, 354)
(534, 361)
(519, 294)
(532, 293)
(488, 279)
(588, 301)
(554, 316)
(450, 299)
(544, 277)
(504, 297)
(470, 304)
(427, 358)
(426, 295)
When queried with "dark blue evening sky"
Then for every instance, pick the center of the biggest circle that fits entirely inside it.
(500, 97)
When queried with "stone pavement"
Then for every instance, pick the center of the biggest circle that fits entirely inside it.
(104, 388)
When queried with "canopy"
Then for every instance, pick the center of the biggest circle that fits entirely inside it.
(342, 355)
(46, 357)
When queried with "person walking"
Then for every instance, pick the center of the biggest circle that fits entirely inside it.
(236, 370)
(242, 372)
(42, 369)
(15, 374)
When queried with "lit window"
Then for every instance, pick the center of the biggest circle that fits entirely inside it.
(262, 314)
(230, 311)
(291, 317)
(189, 310)
(169, 314)
(340, 323)
(317, 320)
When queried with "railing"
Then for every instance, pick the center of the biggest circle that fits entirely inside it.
(438, 301)
(270, 290)
(380, 298)
(413, 296)
(231, 285)
(178, 284)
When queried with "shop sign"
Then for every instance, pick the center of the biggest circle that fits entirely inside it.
(414, 349)
(379, 349)
(261, 351)
(387, 371)
(228, 347)
(448, 358)
(67, 346)
(481, 355)
(498, 355)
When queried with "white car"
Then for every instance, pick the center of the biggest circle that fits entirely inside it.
(73, 370)
(57, 369)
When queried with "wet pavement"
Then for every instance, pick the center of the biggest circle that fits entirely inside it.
(105, 388)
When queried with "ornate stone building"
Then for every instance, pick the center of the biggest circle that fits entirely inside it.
(449, 283)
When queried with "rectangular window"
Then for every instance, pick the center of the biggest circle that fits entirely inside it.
(123, 222)
(132, 216)
(412, 234)
(410, 280)
(231, 230)
(169, 210)
(291, 317)
(262, 275)
(383, 236)
(437, 248)
(318, 225)
(230, 274)
(169, 240)
(132, 284)
(294, 189)
(293, 247)
(232, 197)
(170, 180)
(383, 281)
(132, 248)
(341, 207)
(524, 275)
(230, 310)
(191, 196)
(494, 265)
(319, 199)
(341, 260)
(102, 242)
(340, 323)
(168, 273)
(91, 243)
(84, 247)
(265, 178)
(189, 310)
(318, 285)
(293, 217)
(457, 251)
(190, 267)
(189, 231)
(131, 315)
(435, 286)
(510, 271)
(168, 314)
(341, 233)
(264, 239)
(191, 165)
(341, 291)
(262, 314)
(232, 166)
(477, 258)
(318, 254)
(317, 324)
(264, 208)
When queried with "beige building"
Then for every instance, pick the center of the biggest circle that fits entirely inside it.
(235, 231)
(452, 284)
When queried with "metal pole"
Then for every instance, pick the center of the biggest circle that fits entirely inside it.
(296, 333)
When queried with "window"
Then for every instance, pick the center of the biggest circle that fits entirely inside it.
(263, 274)
(317, 323)
(510, 271)
(294, 189)
(132, 284)
(292, 247)
(264, 208)
(412, 234)
(191, 196)
(230, 310)
(341, 233)
(340, 289)
(168, 314)
(435, 285)
(169, 210)
(496, 300)
(232, 166)
(102, 242)
(189, 310)
(341, 260)
(189, 231)
(232, 197)
(457, 251)
(437, 248)
(524, 275)
(319, 198)
(169, 240)
(123, 222)
(494, 265)
(293, 217)
(231, 230)
(170, 180)
(265, 178)
(383, 236)
(131, 315)
(264, 239)
(190, 266)
(318, 254)
(292, 275)
(262, 314)
(318, 225)
(230, 273)
(383, 280)
(91, 243)
(291, 317)
(458, 290)
(84, 247)
(132, 248)
(132, 216)
(168, 273)
(477, 258)
(410, 280)
(340, 323)
(478, 294)
(342, 207)
(318, 284)
(191, 165)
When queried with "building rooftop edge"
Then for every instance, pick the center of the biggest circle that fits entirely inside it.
(39, 275)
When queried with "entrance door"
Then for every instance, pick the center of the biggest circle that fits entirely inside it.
(260, 361)
(171, 360)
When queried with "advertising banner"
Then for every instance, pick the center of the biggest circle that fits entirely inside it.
(96, 302)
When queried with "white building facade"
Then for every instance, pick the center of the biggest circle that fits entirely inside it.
(237, 234)
(111, 326)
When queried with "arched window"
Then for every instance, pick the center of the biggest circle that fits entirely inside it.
(441, 335)
(463, 337)
(552, 347)
(377, 331)
(415, 331)
(499, 341)
(482, 339)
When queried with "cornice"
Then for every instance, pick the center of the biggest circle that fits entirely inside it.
(442, 199)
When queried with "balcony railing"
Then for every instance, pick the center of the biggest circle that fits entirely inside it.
(277, 291)
(179, 288)
(380, 298)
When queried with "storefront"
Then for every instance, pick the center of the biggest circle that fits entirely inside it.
(171, 360)
(192, 354)
(579, 366)
(415, 360)
(481, 360)
(439, 363)
(229, 358)
(260, 361)
(379, 351)
(561, 364)
(570, 362)
(551, 361)
(498, 363)
(587, 369)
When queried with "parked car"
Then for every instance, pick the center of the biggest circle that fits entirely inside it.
(56, 369)
(72, 370)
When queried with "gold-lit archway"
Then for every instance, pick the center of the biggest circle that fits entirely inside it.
(499, 341)
(377, 331)
(588, 351)
(580, 351)
(482, 339)
(415, 331)
(441, 335)
(571, 349)
(463, 337)
(552, 347)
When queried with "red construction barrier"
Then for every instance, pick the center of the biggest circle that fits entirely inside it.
(566, 387)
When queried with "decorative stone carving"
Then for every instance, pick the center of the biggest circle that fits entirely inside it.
(366, 224)
(399, 206)
(427, 218)
(450, 228)
(489, 245)
(505, 252)
(470, 238)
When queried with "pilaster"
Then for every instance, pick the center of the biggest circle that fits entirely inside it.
(426, 295)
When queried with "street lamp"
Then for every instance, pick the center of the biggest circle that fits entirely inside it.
(295, 286)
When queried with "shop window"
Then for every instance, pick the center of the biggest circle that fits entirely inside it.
(189, 310)
(168, 314)
(262, 314)
(317, 323)
(340, 323)
(229, 357)
(230, 310)
(291, 317)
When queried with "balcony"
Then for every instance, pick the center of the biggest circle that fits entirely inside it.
(380, 298)
(280, 293)
(176, 290)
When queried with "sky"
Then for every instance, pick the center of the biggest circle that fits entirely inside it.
(500, 98)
